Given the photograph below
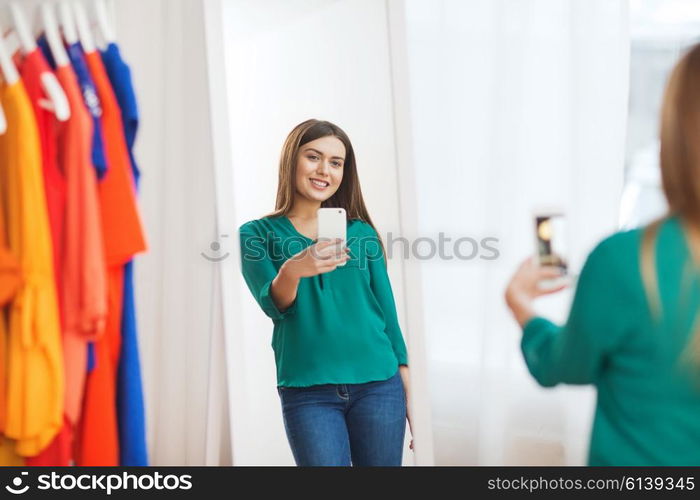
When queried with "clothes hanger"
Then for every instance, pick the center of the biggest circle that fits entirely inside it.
(58, 102)
(53, 35)
(68, 23)
(27, 43)
(84, 32)
(11, 76)
(106, 30)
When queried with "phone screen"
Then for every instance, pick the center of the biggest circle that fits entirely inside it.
(550, 230)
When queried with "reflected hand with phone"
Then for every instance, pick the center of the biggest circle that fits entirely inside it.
(525, 286)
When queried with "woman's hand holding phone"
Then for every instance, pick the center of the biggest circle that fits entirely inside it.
(321, 257)
(318, 258)
(524, 288)
(325, 255)
(543, 274)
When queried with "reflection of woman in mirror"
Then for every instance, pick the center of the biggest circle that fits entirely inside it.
(342, 371)
(634, 327)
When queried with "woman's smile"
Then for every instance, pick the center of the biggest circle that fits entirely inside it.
(319, 184)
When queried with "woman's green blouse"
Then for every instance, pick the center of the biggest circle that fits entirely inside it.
(342, 328)
(648, 406)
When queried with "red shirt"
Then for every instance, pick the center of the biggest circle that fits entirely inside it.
(31, 68)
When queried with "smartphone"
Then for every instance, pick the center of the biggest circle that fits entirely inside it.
(550, 241)
(332, 224)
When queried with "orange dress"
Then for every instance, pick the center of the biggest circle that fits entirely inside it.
(123, 238)
(35, 382)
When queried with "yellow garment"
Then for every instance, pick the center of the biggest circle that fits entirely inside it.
(8, 455)
(10, 280)
(35, 383)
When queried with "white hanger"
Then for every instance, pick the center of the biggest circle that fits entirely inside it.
(53, 35)
(58, 102)
(22, 28)
(11, 76)
(68, 23)
(105, 27)
(81, 18)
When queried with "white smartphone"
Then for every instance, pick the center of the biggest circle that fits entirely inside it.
(550, 243)
(332, 224)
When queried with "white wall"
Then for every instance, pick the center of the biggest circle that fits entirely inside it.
(288, 61)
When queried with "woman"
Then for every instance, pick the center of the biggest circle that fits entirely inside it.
(633, 329)
(341, 360)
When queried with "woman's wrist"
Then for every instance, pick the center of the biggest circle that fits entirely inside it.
(524, 316)
(521, 308)
(405, 378)
(284, 288)
(287, 273)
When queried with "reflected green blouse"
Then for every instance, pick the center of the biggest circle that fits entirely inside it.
(342, 327)
(648, 407)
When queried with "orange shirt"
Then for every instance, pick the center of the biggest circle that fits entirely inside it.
(85, 273)
(123, 237)
(35, 382)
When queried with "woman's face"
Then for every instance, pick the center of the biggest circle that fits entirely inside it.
(320, 166)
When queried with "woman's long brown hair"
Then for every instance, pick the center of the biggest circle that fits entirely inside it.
(680, 175)
(348, 195)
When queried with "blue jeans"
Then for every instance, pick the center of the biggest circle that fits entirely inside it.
(340, 424)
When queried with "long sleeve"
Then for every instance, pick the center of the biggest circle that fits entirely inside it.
(381, 288)
(576, 353)
(259, 271)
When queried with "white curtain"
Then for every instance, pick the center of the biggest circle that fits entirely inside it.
(179, 292)
(511, 104)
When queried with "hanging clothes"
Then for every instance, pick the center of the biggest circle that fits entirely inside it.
(35, 364)
(120, 77)
(84, 285)
(94, 105)
(31, 67)
(10, 280)
(92, 101)
(99, 155)
(130, 409)
(123, 237)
